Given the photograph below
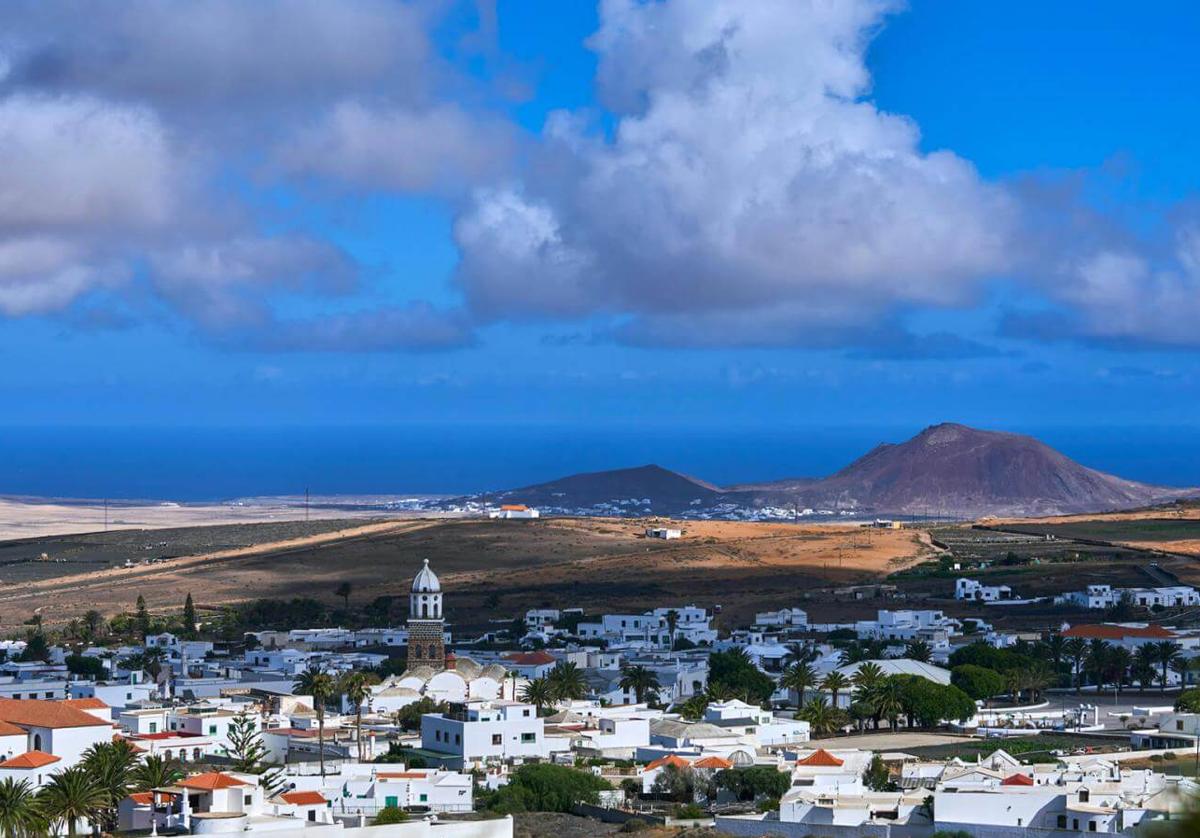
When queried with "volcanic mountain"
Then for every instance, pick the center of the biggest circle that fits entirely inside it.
(947, 470)
(953, 470)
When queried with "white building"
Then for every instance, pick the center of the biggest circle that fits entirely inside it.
(514, 510)
(976, 591)
(1106, 596)
(665, 533)
(783, 618)
(475, 732)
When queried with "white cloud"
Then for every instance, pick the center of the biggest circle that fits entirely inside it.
(400, 148)
(745, 172)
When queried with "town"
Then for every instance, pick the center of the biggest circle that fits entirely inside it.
(903, 719)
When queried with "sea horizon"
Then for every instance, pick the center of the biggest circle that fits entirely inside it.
(221, 464)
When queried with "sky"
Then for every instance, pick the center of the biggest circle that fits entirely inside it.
(675, 213)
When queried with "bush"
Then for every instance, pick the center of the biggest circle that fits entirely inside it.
(755, 782)
(770, 804)
(1188, 701)
(390, 815)
(543, 787)
(979, 682)
(688, 812)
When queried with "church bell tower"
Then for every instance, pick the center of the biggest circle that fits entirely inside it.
(426, 628)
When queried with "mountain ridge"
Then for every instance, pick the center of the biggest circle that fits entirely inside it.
(947, 469)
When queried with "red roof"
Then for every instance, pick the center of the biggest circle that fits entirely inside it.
(31, 759)
(31, 712)
(86, 703)
(142, 798)
(821, 757)
(1017, 780)
(514, 507)
(210, 781)
(712, 762)
(304, 798)
(669, 759)
(1108, 631)
(531, 658)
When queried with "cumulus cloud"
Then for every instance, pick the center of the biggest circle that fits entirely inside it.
(747, 186)
(405, 149)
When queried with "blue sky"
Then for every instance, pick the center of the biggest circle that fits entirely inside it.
(462, 213)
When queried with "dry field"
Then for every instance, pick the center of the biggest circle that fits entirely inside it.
(592, 563)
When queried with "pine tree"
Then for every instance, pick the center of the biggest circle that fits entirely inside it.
(143, 617)
(248, 753)
(189, 616)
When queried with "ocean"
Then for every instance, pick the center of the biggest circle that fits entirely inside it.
(213, 464)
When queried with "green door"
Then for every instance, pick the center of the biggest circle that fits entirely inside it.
(390, 800)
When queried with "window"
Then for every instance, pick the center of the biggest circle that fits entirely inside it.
(154, 727)
(437, 736)
(1083, 795)
(212, 730)
(424, 798)
(1091, 826)
(312, 814)
(525, 713)
(497, 739)
(17, 696)
(1179, 724)
(247, 800)
(457, 739)
(49, 695)
(527, 738)
(1062, 821)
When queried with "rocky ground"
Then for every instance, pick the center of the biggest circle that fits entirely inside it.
(554, 825)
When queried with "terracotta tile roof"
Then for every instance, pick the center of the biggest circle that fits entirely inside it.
(28, 712)
(303, 798)
(531, 658)
(86, 703)
(514, 507)
(712, 762)
(210, 781)
(1107, 631)
(142, 798)
(821, 758)
(31, 759)
(669, 759)
(1017, 780)
(7, 729)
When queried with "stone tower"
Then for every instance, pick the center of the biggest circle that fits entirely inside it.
(426, 628)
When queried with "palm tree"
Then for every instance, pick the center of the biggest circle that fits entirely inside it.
(567, 682)
(1097, 660)
(1076, 650)
(1143, 670)
(1120, 660)
(356, 686)
(867, 680)
(538, 692)
(835, 682)
(344, 589)
(70, 796)
(641, 680)
(798, 678)
(918, 650)
(1167, 652)
(110, 765)
(20, 812)
(822, 719)
(853, 653)
(155, 772)
(319, 684)
(694, 707)
(888, 701)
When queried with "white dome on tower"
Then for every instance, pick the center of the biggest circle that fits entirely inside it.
(426, 582)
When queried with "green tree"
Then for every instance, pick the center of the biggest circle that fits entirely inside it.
(344, 589)
(733, 671)
(36, 646)
(754, 782)
(319, 684)
(538, 692)
(978, 682)
(20, 810)
(567, 682)
(110, 766)
(88, 667)
(1076, 651)
(154, 772)
(798, 678)
(835, 683)
(693, 709)
(70, 796)
(1167, 652)
(142, 617)
(675, 783)
(821, 717)
(189, 617)
(409, 716)
(642, 681)
(545, 787)
(919, 650)
(356, 686)
(876, 776)
(1188, 701)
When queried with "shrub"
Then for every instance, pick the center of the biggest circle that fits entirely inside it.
(390, 815)
(688, 812)
(1188, 701)
(543, 787)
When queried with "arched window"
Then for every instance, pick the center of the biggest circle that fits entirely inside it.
(37, 741)
(432, 651)
(424, 608)
(417, 652)
(196, 754)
